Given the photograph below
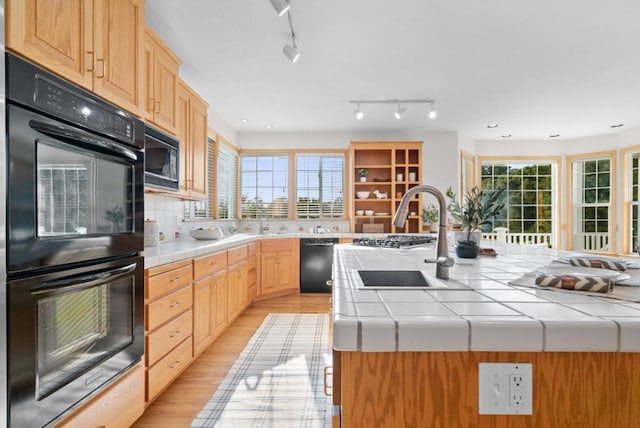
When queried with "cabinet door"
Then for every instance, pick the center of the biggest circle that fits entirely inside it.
(237, 291)
(198, 136)
(182, 126)
(285, 270)
(56, 34)
(202, 311)
(147, 83)
(119, 29)
(165, 81)
(219, 302)
(268, 273)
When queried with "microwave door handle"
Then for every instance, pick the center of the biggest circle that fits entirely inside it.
(81, 282)
(77, 135)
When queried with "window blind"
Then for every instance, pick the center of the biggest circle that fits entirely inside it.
(225, 181)
(319, 186)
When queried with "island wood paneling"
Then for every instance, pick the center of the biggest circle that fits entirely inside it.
(440, 389)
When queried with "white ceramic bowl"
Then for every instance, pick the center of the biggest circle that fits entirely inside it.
(359, 212)
(368, 212)
(362, 194)
(215, 233)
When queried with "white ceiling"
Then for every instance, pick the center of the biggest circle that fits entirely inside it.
(536, 68)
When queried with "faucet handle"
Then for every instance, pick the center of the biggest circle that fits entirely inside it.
(442, 261)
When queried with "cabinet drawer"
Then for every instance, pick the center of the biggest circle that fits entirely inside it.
(117, 406)
(168, 336)
(168, 307)
(165, 283)
(237, 255)
(207, 265)
(168, 368)
(270, 245)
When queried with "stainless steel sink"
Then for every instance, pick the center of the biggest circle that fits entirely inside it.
(395, 279)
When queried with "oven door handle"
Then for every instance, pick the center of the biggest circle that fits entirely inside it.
(82, 282)
(75, 135)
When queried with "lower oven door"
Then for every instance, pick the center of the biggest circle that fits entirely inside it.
(70, 334)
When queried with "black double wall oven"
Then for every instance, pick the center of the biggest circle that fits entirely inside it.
(75, 208)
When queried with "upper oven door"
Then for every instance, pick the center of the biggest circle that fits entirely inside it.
(73, 195)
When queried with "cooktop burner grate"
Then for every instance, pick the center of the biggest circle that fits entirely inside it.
(396, 241)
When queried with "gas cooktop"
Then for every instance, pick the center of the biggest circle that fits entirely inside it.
(396, 241)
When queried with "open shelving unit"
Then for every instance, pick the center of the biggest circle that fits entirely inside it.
(393, 168)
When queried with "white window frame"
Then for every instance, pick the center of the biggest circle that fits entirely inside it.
(330, 198)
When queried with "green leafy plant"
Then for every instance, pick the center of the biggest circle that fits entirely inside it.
(115, 216)
(363, 172)
(429, 214)
(477, 208)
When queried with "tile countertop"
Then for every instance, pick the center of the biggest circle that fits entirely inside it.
(477, 311)
(174, 251)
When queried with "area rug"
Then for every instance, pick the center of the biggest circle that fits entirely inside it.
(277, 381)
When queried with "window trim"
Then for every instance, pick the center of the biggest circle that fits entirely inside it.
(213, 195)
(611, 154)
(556, 226)
(344, 183)
(626, 154)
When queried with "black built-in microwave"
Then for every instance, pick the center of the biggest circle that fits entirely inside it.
(162, 159)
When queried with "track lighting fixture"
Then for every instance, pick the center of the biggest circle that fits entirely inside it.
(399, 108)
(432, 113)
(359, 114)
(280, 6)
(291, 51)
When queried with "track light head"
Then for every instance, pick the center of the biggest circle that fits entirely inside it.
(399, 112)
(280, 6)
(359, 114)
(291, 52)
(432, 113)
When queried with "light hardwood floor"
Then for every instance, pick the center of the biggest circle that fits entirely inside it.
(182, 401)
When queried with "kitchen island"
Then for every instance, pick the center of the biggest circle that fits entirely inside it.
(410, 357)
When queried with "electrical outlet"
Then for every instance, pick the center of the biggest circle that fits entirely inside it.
(505, 389)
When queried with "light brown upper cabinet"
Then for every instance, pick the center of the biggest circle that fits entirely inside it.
(96, 44)
(192, 133)
(161, 83)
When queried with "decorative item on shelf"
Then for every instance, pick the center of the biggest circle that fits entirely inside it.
(379, 194)
(430, 217)
(475, 210)
(368, 212)
(399, 177)
(363, 174)
(412, 176)
(398, 195)
(359, 212)
(362, 194)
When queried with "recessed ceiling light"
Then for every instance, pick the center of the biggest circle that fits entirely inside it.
(554, 135)
(268, 126)
(618, 125)
(492, 125)
(244, 120)
(506, 136)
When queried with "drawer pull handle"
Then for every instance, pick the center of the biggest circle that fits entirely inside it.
(213, 263)
(177, 278)
(175, 364)
(101, 62)
(175, 333)
(176, 304)
(152, 103)
(328, 390)
(91, 62)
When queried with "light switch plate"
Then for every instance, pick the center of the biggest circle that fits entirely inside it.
(505, 388)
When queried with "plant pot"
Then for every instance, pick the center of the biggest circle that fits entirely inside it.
(434, 227)
(467, 249)
(363, 179)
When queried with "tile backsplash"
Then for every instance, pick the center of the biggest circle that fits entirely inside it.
(169, 213)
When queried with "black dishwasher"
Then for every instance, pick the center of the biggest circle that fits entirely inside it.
(316, 258)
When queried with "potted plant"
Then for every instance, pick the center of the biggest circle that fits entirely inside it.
(363, 174)
(477, 208)
(430, 217)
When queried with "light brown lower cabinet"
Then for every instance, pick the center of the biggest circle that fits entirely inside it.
(440, 389)
(279, 266)
(119, 405)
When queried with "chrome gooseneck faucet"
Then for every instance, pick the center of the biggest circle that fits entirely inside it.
(443, 262)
